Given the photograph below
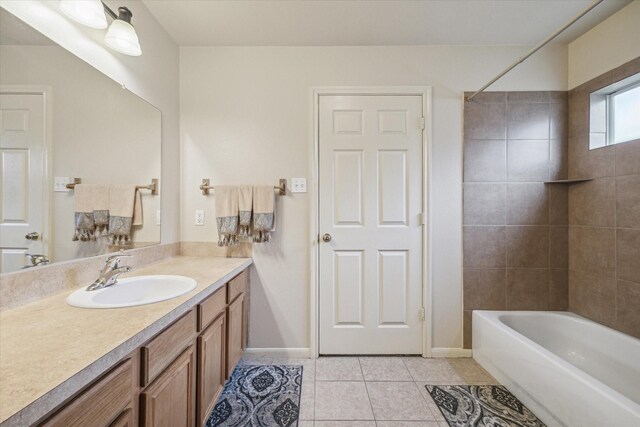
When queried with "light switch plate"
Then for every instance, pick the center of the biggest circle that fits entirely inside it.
(199, 217)
(60, 184)
(299, 185)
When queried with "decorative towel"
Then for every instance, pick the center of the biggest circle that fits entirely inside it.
(263, 212)
(101, 209)
(84, 222)
(125, 209)
(227, 211)
(245, 205)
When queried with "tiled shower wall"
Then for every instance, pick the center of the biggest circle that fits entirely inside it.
(515, 225)
(604, 218)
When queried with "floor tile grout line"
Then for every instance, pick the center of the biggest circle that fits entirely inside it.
(367, 390)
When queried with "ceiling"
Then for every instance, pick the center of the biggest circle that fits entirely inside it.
(373, 23)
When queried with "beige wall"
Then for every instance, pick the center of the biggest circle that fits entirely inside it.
(246, 118)
(100, 133)
(152, 76)
(608, 45)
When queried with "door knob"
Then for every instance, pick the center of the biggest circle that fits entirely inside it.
(34, 235)
(326, 237)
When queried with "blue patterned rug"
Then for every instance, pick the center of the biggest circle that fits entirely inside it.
(259, 396)
(480, 406)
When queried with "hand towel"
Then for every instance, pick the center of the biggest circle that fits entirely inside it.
(263, 212)
(122, 205)
(227, 210)
(101, 209)
(245, 205)
(84, 222)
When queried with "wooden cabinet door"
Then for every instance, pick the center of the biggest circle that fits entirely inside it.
(124, 420)
(235, 333)
(211, 366)
(170, 400)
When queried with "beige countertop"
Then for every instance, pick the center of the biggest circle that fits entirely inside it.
(50, 350)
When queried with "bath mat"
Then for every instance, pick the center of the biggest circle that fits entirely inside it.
(259, 396)
(481, 405)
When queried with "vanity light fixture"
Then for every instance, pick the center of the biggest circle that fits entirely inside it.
(85, 12)
(121, 36)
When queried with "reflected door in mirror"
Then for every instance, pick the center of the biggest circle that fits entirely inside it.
(22, 143)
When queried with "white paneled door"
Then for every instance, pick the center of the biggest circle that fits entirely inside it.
(370, 209)
(22, 168)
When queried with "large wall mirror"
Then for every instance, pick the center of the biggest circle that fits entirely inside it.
(61, 119)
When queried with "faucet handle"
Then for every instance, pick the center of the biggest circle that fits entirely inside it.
(113, 261)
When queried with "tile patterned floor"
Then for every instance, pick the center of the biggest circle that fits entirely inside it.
(375, 391)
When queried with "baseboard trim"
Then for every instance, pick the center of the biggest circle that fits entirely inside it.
(451, 352)
(293, 353)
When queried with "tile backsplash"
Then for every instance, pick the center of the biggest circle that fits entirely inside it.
(515, 225)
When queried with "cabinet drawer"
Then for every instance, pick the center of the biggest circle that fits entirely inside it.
(164, 348)
(237, 285)
(211, 307)
(101, 403)
(124, 420)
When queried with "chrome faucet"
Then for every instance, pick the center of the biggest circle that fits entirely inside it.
(35, 260)
(110, 272)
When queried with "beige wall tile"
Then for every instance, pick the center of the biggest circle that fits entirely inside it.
(485, 160)
(527, 289)
(628, 158)
(485, 289)
(558, 204)
(527, 204)
(485, 121)
(559, 120)
(593, 203)
(484, 203)
(528, 121)
(559, 289)
(628, 201)
(585, 163)
(484, 246)
(516, 97)
(628, 308)
(628, 255)
(527, 160)
(527, 247)
(592, 249)
(593, 296)
(559, 159)
(559, 247)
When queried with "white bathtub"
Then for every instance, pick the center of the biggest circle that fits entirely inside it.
(568, 370)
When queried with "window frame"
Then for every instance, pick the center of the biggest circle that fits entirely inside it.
(610, 107)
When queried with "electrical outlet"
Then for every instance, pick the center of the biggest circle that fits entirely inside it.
(158, 217)
(299, 185)
(199, 217)
(60, 184)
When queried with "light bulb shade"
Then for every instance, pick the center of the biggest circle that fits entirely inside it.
(122, 38)
(85, 12)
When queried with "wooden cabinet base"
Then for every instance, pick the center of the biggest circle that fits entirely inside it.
(170, 400)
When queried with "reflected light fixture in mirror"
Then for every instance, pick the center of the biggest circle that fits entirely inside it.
(121, 36)
(85, 12)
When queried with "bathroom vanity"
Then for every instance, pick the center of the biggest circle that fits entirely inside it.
(161, 364)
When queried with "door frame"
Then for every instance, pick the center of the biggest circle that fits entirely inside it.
(47, 99)
(314, 159)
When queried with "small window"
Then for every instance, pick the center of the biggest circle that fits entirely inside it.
(615, 113)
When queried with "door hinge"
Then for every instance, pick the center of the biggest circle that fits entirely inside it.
(422, 218)
(422, 313)
(423, 123)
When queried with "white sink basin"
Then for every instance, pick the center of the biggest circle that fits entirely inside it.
(133, 291)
